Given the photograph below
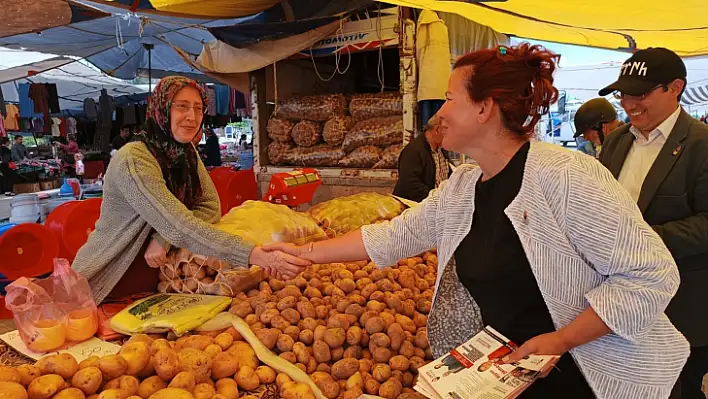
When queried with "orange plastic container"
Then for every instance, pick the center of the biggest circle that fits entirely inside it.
(72, 222)
(234, 187)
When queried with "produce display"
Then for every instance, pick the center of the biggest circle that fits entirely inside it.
(344, 214)
(336, 129)
(195, 274)
(298, 133)
(313, 108)
(362, 157)
(354, 328)
(367, 106)
(389, 157)
(378, 131)
(279, 130)
(307, 133)
(217, 365)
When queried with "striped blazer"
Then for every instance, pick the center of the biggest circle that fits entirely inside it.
(587, 245)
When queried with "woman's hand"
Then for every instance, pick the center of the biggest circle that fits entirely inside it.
(292, 249)
(544, 344)
(279, 264)
(155, 254)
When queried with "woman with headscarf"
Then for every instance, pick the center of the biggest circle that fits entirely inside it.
(157, 194)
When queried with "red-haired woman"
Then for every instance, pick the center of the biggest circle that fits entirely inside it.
(517, 250)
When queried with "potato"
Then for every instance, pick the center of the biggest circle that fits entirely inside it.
(287, 303)
(399, 362)
(380, 340)
(89, 362)
(289, 356)
(381, 372)
(382, 355)
(365, 365)
(419, 352)
(390, 389)
(158, 345)
(268, 336)
(212, 350)
(128, 384)
(28, 373)
(334, 337)
(291, 315)
(46, 386)
(62, 364)
(321, 311)
(308, 324)
(112, 366)
(416, 363)
(171, 393)
(337, 354)
(421, 340)
(166, 364)
(307, 337)
(247, 379)
(281, 379)
(345, 368)
(224, 340)
(244, 354)
(9, 374)
(225, 365)
(407, 349)
(306, 309)
(298, 391)
(88, 380)
(227, 388)
(321, 352)
(371, 386)
(301, 353)
(204, 391)
(320, 333)
(151, 385)
(184, 380)
(388, 318)
(112, 394)
(356, 381)
(70, 393)
(199, 342)
(241, 310)
(285, 343)
(12, 390)
(326, 384)
(136, 355)
(292, 331)
(266, 375)
(353, 336)
(197, 362)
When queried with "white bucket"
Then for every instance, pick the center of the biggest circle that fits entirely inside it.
(26, 207)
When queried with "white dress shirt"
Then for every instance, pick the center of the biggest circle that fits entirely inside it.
(643, 154)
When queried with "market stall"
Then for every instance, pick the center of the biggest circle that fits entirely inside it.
(352, 123)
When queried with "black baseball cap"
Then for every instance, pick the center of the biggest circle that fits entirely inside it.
(647, 69)
(597, 110)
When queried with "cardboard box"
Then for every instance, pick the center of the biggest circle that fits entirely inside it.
(48, 185)
(27, 188)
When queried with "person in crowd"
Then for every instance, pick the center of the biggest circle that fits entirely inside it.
(19, 151)
(594, 121)
(423, 164)
(70, 150)
(121, 139)
(661, 158)
(243, 143)
(212, 150)
(594, 289)
(158, 194)
(7, 174)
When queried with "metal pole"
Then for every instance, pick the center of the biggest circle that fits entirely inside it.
(149, 48)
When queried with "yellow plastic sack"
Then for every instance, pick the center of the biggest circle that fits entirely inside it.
(342, 215)
(161, 313)
(263, 223)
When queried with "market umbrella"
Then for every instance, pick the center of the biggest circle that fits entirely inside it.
(126, 44)
(620, 25)
(22, 16)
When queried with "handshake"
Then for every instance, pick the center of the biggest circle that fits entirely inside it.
(281, 260)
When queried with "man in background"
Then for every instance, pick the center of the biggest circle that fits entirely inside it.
(423, 164)
(594, 121)
(19, 151)
(661, 158)
(122, 138)
(213, 149)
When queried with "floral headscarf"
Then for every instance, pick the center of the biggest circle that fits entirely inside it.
(179, 162)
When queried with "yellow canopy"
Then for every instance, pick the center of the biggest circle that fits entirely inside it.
(619, 25)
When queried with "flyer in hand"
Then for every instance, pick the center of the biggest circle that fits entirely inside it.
(474, 370)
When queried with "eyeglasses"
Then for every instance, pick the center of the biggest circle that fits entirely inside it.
(621, 96)
(185, 107)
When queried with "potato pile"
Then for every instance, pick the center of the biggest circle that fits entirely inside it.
(300, 125)
(354, 328)
(215, 366)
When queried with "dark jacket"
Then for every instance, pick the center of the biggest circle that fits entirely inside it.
(674, 201)
(416, 170)
(212, 151)
(5, 155)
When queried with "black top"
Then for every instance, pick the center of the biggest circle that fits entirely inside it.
(492, 265)
(212, 151)
(416, 170)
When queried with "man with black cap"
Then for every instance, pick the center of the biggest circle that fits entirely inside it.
(595, 120)
(661, 158)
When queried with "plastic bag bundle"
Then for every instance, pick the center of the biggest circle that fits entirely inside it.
(342, 215)
(367, 106)
(319, 155)
(281, 153)
(380, 132)
(336, 128)
(362, 157)
(313, 108)
(389, 157)
(53, 311)
(279, 129)
(307, 133)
